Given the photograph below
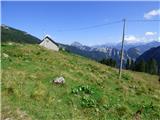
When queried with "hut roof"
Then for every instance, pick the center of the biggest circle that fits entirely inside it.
(50, 40)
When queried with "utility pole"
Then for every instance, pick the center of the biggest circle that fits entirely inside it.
(121, 64)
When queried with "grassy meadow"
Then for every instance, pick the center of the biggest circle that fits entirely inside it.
(92, 91)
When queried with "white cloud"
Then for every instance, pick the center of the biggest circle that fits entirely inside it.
(152, 14)
(150, 33)
(147, 37)
(131, 39)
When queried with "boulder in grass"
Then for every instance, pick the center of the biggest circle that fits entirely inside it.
(5, 55)
(59, 80)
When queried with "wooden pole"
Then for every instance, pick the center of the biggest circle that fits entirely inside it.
(123, 36)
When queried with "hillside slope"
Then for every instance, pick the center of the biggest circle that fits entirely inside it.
(92, 91)
(153, 53)
(10, 34)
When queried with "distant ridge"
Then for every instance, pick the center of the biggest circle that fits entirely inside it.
(135, 52)
(153, 53)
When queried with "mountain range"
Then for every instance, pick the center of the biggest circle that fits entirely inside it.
(104, 51)
(95, 53)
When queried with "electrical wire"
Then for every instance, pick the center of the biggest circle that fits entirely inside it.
(143, 20)
(90, 27)
(105, 24)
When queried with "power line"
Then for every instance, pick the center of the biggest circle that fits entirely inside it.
(90, 27)
(105, 24)
(143, 20)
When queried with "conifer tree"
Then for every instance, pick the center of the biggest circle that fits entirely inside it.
(140, 66)
(153, 66)
(132, 66)
(128, 64)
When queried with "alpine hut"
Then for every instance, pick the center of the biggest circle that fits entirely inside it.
(47, 42)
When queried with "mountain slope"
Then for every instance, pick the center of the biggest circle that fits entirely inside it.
(135, 52)
(10, 34)
(153, 53)
(147, 46)
(91, 90)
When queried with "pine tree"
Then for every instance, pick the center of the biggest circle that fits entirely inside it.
(128, 65)
(114, 63)
(140, 66)
(132, 66)
(143, 64)
(153, 67)
(109, 62)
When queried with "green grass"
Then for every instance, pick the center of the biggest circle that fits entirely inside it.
(92, 91)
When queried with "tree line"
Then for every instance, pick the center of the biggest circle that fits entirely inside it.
(110, 62)
(151, 66)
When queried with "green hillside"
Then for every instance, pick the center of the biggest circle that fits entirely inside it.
(10, 34)
(92, 91)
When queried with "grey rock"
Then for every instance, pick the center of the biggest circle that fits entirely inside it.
(5, 55)
(59, 80)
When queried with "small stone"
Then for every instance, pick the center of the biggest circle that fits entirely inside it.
(59, 80)
(10, 43)
(5, 55)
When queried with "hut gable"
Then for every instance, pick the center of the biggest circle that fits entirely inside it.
(47, 42)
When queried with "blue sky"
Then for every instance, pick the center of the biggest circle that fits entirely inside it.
(40, 18)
